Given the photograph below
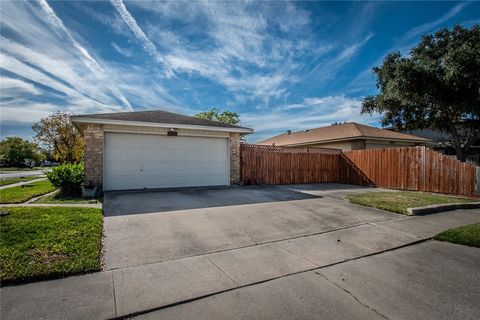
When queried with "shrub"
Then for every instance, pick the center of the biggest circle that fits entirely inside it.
(67, 177)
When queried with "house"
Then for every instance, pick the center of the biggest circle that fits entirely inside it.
(158, 149)
(442, 142)
(347, 136)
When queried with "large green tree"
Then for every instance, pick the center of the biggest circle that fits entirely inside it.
(57, 134)
(228, 117)
(16, 150)
(436, 86)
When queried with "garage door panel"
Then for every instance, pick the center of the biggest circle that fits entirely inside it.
(122, 169)
(134, 161)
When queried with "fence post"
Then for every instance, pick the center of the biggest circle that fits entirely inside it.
(477, 180)
(423, 164)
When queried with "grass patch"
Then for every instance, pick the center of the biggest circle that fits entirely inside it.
(399, 201)
(40, 242)
(60, 198)
(5, 182)
(26, 192)
(466, 235)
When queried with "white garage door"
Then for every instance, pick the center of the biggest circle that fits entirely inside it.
(137, 161)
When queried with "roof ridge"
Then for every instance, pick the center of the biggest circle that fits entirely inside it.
(356, 127)
(123, 112)
(159, 115)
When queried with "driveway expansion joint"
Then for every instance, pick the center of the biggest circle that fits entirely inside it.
(114, 297)
(219, 269)
(353, 296)
(298, 256)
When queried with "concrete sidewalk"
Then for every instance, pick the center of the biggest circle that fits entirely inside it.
(432, 281)
(18, 174)
(21, 183)
(139, 289)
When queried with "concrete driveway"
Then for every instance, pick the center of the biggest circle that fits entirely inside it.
(147, 227)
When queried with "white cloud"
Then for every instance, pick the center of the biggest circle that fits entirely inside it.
(249, 51)
(421, 29)
(10, 87)
(237, 46)
(366, 79)
(327, 69)
(123, 51)
(44, 61)
(52, 18)
(309, 113)
(137, 31)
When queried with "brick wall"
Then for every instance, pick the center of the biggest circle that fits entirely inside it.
(234, 158)
(93, 156)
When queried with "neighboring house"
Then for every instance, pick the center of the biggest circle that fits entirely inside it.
(442, 142)
(158, 149)
(347, 136)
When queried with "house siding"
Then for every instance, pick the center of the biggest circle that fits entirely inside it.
(376, 144)
(361, 144)
(344, 145)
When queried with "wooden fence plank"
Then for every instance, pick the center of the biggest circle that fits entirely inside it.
(415, 168)
(280, 165)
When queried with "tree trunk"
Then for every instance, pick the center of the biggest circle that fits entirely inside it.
(461, 154)
(457, 143)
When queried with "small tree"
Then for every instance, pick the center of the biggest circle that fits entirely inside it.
(437, 86)
(57, 133)
(227, 117)
(16, 150)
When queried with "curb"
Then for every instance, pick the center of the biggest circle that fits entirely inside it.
(434, 208)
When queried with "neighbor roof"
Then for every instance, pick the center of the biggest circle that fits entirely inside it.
(153, 117)
(346, 131)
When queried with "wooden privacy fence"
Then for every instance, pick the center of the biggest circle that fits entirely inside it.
(280, 165)
(415, 168)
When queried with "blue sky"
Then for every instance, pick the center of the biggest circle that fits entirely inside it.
(280, 65)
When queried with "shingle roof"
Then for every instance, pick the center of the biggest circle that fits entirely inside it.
(346, 131)
(156, 116)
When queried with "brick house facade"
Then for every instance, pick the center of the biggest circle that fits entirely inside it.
(94, 132)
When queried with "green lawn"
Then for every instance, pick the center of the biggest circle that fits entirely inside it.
(466, 235)
(7, 181)
(60, 198)
(399, 201)
(25, 192)
(40, 242)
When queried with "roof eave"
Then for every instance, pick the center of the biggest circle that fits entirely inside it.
(355, 138)
(82, 119)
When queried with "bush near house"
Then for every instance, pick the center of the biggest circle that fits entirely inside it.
(67, 177)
